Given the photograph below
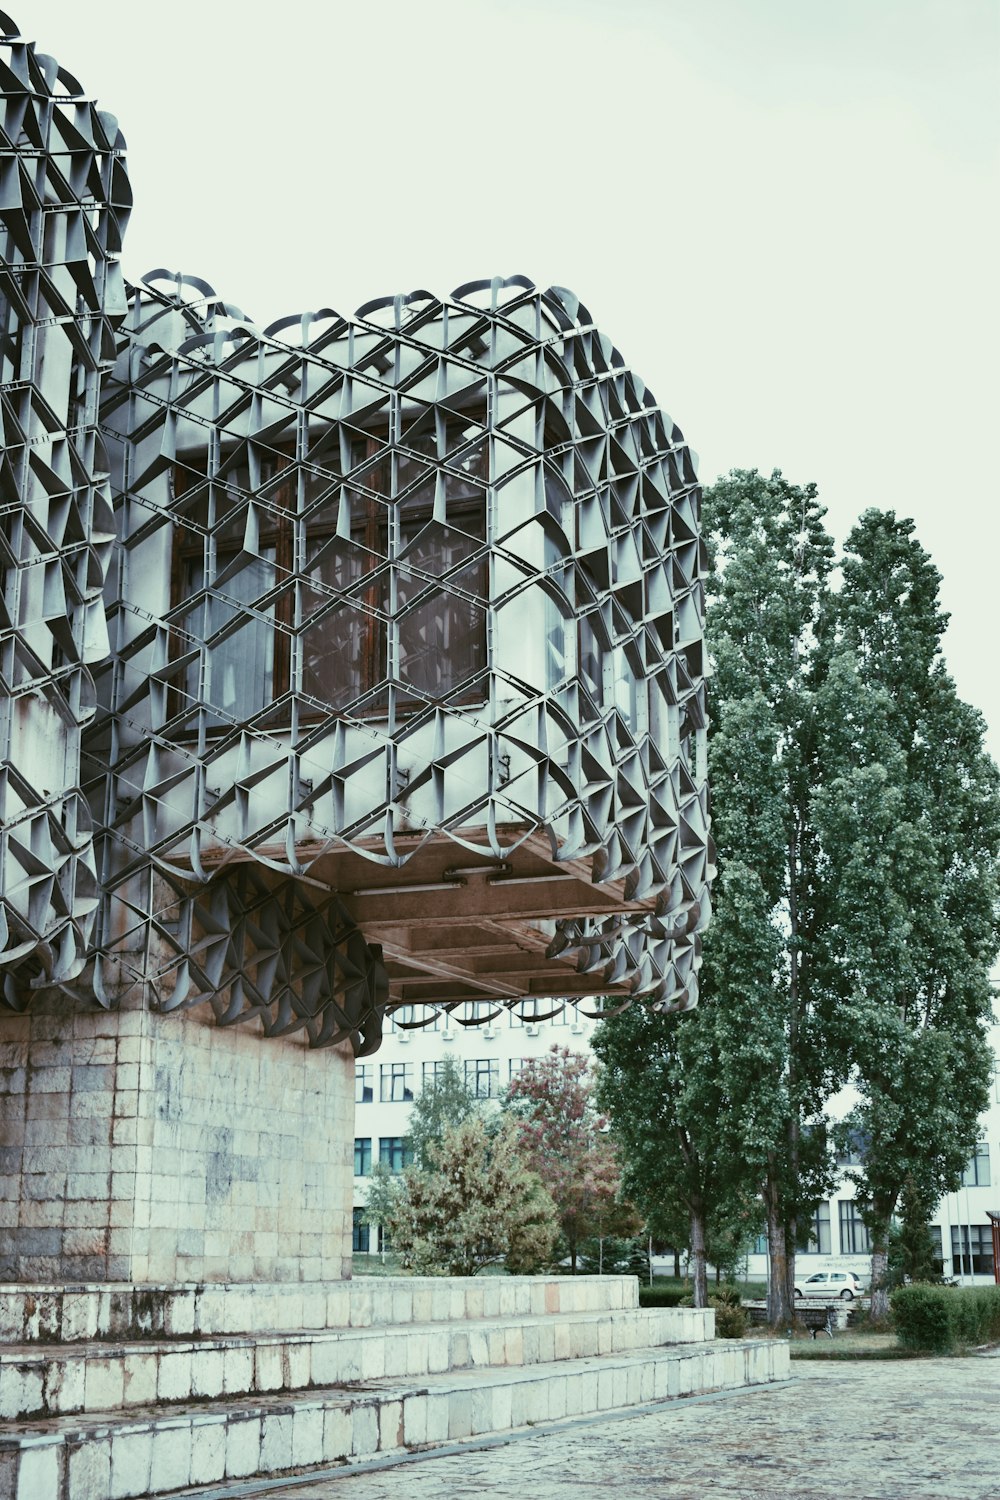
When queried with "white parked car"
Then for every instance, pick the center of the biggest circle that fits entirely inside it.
(843, 1284)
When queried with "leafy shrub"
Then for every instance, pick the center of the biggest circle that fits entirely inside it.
(937, 1319)
(726, 1295)
(730, 1322)
(475, 1203)
(730, 1314)
(662, 1296)
(912, 1253)
(920, 1316)
(638, 1259)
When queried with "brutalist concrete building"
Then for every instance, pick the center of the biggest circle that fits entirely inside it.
(348, 663)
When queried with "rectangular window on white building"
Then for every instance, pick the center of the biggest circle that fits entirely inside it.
(428, 1017)
(394, 1152)
(852, 1152)
(364, 1083)
(977, 1173)
(396, 1083)
(362, 1156)
(972, 1250)
(475, 1012)
(432, 1073)
(819, 1232)
(854, 1236)
(482, 1075)
(361, 1233)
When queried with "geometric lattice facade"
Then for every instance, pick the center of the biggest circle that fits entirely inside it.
(403, 700)
(64, 202)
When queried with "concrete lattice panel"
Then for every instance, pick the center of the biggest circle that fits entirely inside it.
(64, 201)
(399, 694)
(409, 608)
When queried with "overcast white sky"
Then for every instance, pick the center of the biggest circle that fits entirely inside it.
(783, 212)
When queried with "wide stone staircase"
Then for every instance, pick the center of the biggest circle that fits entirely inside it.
(116, 1391)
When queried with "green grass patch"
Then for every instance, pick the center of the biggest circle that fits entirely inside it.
(750, 1291)
(391, 1265)
(850, 1344)
(814, 1352)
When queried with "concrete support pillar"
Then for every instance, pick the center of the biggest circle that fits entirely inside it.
(156, 1148)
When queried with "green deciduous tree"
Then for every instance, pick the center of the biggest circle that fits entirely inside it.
(913, 1255)
(908, 814)
(563, 1139)
(474, 1202)
(767, 621)
(662, 1082)
(444, 1102)
(858, 825)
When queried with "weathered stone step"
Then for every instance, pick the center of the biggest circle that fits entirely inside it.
(61, 1380)
(154, 1451)
(65, 1313)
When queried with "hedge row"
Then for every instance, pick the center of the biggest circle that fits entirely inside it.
(661, 1296)
(938, 1319)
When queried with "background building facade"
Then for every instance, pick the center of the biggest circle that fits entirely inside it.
(386, 1086)
(489, 1055)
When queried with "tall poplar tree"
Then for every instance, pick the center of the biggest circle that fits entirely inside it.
(767, 618)
(663, 1081)
(908, 813)
(857, 818)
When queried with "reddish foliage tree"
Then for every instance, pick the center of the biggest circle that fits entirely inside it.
(563, 1139)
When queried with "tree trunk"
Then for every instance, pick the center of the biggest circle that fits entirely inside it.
(698, 1255)
(780, 1278)
(677, 1265)
(880, 1279)
(883, 1209)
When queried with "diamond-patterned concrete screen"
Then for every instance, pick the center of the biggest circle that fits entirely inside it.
(401, 699)
(408, 615)
(64, 201)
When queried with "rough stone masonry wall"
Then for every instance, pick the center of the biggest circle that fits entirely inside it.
(143, 1147)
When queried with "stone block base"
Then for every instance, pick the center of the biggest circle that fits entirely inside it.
(140, 1147)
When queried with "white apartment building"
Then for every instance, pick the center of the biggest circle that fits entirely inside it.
(961, 1229)
(491, 1054)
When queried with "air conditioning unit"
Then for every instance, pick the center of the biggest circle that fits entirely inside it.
(576, 1029)
(447, 1036)
(531, 1027)
(489, 1032)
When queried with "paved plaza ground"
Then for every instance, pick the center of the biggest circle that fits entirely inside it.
(875, 1430)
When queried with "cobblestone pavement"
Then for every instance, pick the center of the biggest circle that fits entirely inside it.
(871, 1431)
